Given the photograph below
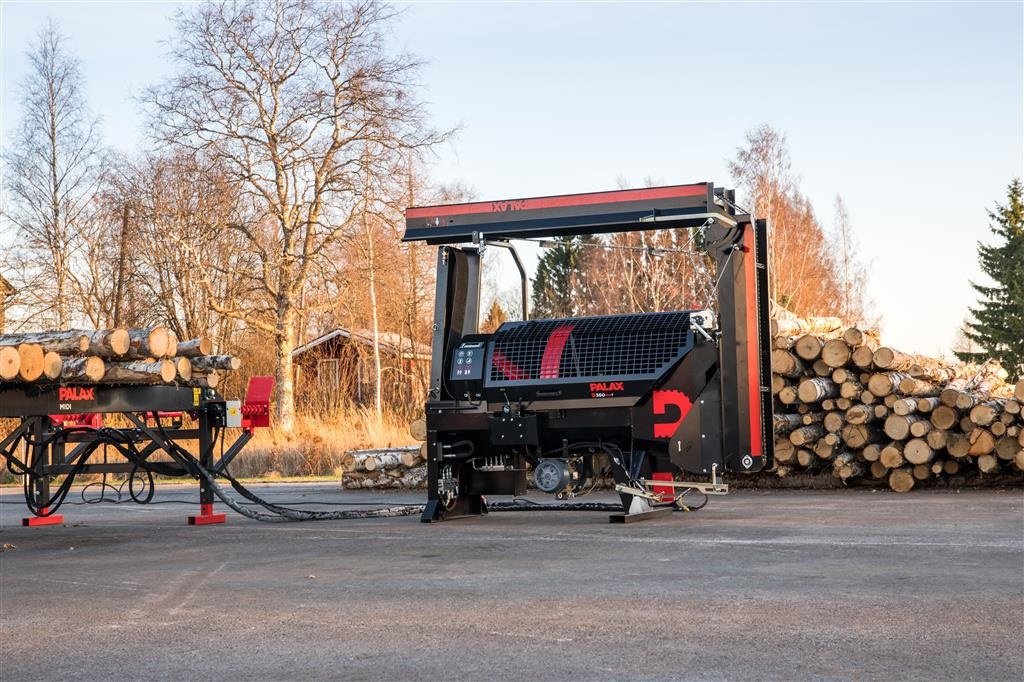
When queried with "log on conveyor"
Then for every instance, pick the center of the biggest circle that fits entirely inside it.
(144, 373)
(60, 342)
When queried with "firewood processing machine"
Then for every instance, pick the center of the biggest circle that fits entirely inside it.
(666, 402)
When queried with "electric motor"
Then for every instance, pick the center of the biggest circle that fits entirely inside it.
(552, 475)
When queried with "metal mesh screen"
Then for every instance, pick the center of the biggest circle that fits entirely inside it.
(611, 346)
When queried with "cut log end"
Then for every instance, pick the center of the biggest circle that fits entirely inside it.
(901, 480)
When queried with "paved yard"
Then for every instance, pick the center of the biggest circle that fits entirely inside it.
(758, 585)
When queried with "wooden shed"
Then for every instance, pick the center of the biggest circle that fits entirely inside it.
(6, 290)
(339, 367)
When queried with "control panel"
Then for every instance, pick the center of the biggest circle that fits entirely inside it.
(467, 370)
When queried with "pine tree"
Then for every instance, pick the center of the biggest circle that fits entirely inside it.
(553, 283)
(998, 324)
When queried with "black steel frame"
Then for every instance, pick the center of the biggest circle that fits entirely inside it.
(734, 423)
(46, 452)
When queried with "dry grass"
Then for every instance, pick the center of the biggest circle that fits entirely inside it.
(316, 446)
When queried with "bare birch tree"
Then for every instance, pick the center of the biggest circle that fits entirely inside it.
(52, 175)
(287, 97)
(802, 268)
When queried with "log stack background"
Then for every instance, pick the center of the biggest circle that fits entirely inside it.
(151, 355)
(848, 406)
(388, 468)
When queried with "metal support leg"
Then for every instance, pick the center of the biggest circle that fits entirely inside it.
(39, 464)
(206, 514)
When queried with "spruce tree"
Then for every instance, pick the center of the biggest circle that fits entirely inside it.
(998, 320)
(553, 283)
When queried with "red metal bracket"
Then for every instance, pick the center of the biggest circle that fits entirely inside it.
(51, 520)
(92, 421)
(256, 408)
(666, 492)
(206, 516)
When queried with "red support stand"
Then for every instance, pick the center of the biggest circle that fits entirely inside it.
(206, 516)
(51, 520)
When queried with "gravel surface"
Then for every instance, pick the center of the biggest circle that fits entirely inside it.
(758, 585)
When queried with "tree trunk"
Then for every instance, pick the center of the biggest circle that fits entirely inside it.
(816, 390)
(151, 342)
(892, 455)
(786, 364)
(859, 435)
(10, 363)
(835, 353)
(1006, 448)
(918, 388)
(808, 347)
(988, 464)
(89, 369)
(857, 337)
(284, 387)
(904, 406)
(982, 442)
(810, 325)
(161, 371)
(985, 413)
(958, 445)
(901, 480)
(884, 383)
(109, 343)
(871, 452)
(937, 439)
(195, 347)
(898, 428)
(944, 417)
(916, 451)
(806, 434)
(378, 368)
(862, 357)
(211, 380)
(782, 423)
(53, 365)
(207, 363)
(31, 366)
(62, 342)
(183, 368)
(888, 358)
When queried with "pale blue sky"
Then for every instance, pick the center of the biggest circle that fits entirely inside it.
(913, 112)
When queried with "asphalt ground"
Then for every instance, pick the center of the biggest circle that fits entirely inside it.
(758, 585)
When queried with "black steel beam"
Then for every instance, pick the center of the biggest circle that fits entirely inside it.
(650, 208)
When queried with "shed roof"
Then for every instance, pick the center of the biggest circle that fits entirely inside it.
(390, 343)
(6, 289)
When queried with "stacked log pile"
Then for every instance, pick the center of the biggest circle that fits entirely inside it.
(151, 355)
(847, 405)
(394, 468)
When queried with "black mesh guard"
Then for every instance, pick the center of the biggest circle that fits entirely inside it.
(642, 345)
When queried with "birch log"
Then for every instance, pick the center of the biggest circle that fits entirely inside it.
(151, 342)
(10, 363)
(32, 356)
(195, 347)
(205, 363)
(108, 343)
(64, 342)
(161, 371)
(89, 369)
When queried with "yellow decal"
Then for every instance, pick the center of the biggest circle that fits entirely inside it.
(195, 396)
